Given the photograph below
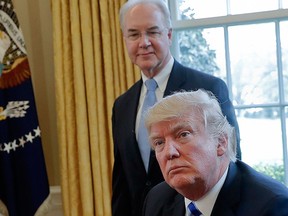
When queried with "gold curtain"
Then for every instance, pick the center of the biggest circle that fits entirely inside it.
(91, 69)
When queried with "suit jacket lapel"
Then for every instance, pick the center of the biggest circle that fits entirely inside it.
(176, 79)
(229, 195)
(132, 104)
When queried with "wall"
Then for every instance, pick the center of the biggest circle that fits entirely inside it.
(36, 24)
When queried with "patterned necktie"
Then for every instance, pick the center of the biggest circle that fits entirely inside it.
(194, 211)
(143, 141)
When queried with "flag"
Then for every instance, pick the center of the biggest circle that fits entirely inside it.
(23, 178)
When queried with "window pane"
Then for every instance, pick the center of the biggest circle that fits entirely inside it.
(285, 3)
(261, 140)
(253, 64)
(215, 41)
(203, 50)
(188, 9)
(284, 50)
(248, 6)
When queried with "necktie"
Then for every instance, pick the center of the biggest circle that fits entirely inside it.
(194, 211)
(143, 142)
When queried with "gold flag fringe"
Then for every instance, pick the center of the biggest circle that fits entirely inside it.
(42, 210)
(3, 209)
(45, 207)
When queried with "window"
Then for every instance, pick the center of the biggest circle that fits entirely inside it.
(244, 43)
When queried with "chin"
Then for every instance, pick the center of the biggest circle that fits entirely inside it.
(147, 65)
(179, 182)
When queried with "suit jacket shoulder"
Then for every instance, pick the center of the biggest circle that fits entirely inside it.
(184, 78)
(248, 192)
(162, 200)
(130, 96)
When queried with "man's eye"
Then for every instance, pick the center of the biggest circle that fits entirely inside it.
(157, 142)
(133, 36)
(153, 33)
(158, 145)
(184, 134)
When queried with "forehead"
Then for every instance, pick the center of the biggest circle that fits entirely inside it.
(143, 16)
(175, 124)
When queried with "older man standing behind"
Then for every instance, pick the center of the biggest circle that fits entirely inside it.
(147, 32)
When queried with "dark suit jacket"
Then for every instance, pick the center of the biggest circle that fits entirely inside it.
(130, 180)
(244, 192)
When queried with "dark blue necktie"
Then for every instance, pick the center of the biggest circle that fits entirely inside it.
(143, 141)
(194, 211)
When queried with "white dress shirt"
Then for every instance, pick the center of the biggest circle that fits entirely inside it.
(206, 203)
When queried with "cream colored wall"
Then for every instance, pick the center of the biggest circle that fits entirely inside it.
(36, 23)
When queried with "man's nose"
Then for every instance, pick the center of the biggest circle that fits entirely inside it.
(144, 40)
(171, 150)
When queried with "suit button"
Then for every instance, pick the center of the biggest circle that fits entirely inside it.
(148, 183)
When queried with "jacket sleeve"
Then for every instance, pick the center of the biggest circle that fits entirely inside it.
(120, 193)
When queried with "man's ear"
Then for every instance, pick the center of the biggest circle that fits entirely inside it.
(170, 35)
(222, 145)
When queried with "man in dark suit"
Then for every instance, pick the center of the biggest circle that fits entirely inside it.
(147, 32)
(195, 148)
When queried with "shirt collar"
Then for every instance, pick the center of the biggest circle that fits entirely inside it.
(162, 77)
(206, 203)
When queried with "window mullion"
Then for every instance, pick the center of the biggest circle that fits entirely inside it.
(281, 99)
(228, 64)
(230, 19)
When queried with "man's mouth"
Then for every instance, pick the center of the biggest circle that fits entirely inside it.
(146, 54)
(175, 169)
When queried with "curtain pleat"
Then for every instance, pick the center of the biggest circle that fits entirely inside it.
(92, 68)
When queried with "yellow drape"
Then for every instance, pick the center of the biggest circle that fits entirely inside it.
(91, 69)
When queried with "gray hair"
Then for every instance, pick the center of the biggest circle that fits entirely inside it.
(161, 4)
(183, 103)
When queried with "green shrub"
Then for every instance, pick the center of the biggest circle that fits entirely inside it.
(276, 171)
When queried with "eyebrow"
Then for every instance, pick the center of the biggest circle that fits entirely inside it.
(173, 128)
(149, 29)
(179, 126)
